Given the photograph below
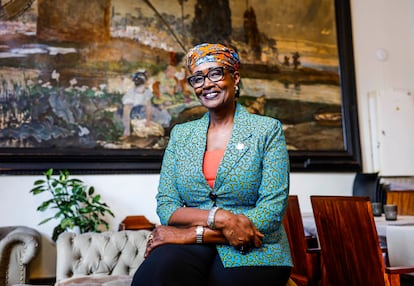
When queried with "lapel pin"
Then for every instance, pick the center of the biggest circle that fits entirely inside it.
(240, 146)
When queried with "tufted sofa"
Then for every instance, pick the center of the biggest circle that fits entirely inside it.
(108, 258)
(19, 245)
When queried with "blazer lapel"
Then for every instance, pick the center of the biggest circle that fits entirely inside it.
(196, 152)
(238, 145)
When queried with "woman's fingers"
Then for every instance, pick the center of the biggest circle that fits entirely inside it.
(150, 241)
(156, 238)
(166, 234)
(242, 234)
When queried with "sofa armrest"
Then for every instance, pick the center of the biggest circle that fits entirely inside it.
(18, 246)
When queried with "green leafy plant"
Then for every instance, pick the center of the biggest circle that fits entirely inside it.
(77, 204)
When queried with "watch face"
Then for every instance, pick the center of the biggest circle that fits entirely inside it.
(199, 230)
(199, 234)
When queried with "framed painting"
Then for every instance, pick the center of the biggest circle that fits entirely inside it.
(96, 86)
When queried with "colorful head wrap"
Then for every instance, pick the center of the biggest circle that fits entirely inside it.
(205, 53)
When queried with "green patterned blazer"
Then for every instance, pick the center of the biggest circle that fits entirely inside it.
(253, 179)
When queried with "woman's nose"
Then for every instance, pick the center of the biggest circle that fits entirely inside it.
(208, 82)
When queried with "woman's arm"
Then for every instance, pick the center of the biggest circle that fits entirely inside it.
(234, 233)
(234, 229)
(163, 234)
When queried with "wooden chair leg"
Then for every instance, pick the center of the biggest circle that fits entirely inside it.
(291, 283)
(392, 279)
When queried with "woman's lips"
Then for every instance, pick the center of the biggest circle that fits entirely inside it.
(210, 95)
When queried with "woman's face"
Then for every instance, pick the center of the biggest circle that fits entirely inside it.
(215, 94)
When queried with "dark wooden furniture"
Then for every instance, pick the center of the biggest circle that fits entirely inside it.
(368, 184)
(306, 269)
(136, 222)
(350, 250)
(404, 199)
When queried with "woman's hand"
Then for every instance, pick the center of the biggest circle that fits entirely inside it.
(238, 230)
(163, 234)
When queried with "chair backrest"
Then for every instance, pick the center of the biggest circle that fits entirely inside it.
(306, 270)
(368, 184)
(404, 199)
(350, 250)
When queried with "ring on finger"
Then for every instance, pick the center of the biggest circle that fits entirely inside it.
(242, 249)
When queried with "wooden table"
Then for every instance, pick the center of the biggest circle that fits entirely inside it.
(380, 222)
(400, 240)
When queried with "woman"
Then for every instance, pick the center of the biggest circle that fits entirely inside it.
(223, 189)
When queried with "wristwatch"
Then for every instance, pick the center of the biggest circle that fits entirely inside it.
(199, 234)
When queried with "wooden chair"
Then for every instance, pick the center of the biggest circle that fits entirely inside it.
(306, 269)
(404, 199)
(350, 250)
(367, 184)
(136, 222)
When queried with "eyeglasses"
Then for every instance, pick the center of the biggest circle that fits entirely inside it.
(214, 75)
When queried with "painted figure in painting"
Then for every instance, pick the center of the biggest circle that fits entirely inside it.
(139, 112)
(139, 98)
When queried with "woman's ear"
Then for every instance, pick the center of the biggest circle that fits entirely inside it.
(236, 76)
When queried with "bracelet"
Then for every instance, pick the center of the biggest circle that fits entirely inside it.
(211, 217)
(199, 234)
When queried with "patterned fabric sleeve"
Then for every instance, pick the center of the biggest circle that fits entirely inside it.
(168, 199)
(274, 186)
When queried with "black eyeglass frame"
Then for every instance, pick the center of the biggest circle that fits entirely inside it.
(207, 75)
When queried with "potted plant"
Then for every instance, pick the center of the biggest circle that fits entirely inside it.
(77, 204)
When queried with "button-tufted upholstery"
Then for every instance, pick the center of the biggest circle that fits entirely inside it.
(101, 259)
(108, 258)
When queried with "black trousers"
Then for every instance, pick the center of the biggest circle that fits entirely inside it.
(200, 265)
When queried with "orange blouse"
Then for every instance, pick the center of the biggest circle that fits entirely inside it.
(210, 165)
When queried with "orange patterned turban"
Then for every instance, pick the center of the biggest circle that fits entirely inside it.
(205, 53)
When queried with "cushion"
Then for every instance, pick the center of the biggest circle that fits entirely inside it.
(107, 280)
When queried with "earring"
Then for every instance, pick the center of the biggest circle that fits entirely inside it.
(236, 89)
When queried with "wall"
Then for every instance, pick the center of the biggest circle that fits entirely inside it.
(387, 26)
(126, 195)
(377, 24)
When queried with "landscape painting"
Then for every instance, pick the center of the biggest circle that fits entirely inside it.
(96, 86)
